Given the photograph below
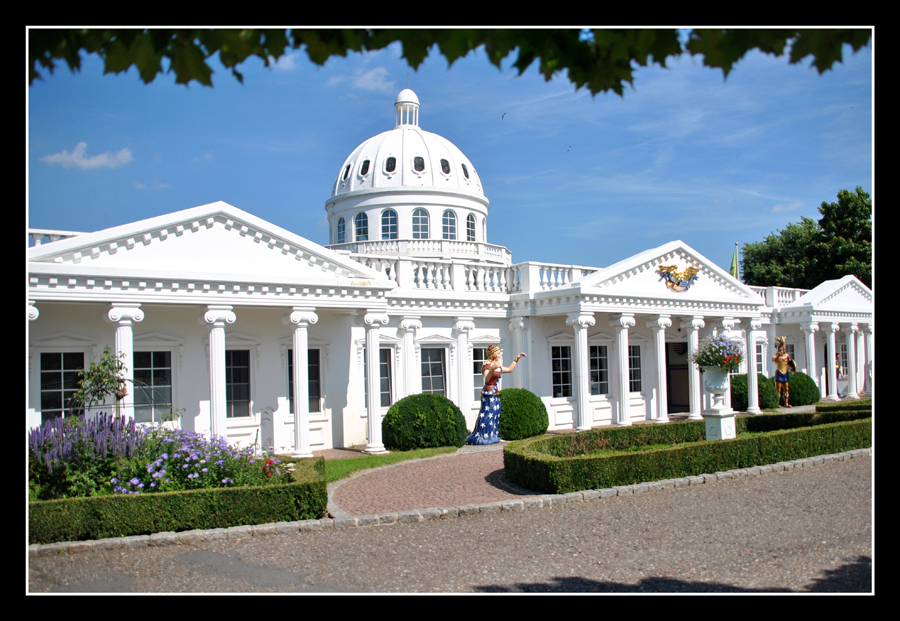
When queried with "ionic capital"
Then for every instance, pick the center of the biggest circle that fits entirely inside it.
(729, 323)
(810, 326)
(694, 323)
(125, 313)
(374, 319)
(755, 323)
(410, 323)
(581, 321)
(32, 311)
(662, 322)
(516, 324)
(301, 316)
(622, 321)
(851, 328)
(834, 327)
(464, 324)
(217, 316)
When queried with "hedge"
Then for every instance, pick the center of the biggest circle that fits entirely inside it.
(522, 414)
(100, 517)
(563, 463)
(425, 420)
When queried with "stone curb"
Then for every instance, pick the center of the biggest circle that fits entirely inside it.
(345, 521)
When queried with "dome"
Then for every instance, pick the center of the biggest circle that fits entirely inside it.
(407, 158)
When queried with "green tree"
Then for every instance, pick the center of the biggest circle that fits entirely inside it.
(806, 254)
(601, 60)
(102, 379)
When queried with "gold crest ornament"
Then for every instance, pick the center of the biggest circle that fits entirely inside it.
(678, 281)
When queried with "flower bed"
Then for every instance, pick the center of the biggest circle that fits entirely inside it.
(559, 464)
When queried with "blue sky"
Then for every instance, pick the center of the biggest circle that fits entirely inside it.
(685, 155)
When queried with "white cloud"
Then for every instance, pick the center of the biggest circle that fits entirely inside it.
(286, 62)
(371, 80)
(78, 158)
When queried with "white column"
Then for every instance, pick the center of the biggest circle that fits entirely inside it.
(462, 327)
(694, 381)
(410, 373)
(519, 329)
(752, 370)
(216, 316)
(659, 325)
(870, 359)
(301, 317)
(809, 330)
(34, 418)
(831, 362)
(124, 315)
(860, 362)
(372, 321)
(621, 323)
(728, 324)
(851, 360)
(581, 322)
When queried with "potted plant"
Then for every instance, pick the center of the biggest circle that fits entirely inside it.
(716, 357)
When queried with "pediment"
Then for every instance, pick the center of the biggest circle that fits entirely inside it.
(205, 241)
(640, 276)
(847, 294)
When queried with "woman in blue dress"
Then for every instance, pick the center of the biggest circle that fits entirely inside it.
(486, 427)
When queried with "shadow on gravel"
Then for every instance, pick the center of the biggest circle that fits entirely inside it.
(854, 577)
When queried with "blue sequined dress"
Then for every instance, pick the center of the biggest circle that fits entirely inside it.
(486, 427)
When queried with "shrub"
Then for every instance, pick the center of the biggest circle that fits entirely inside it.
(522, 414)
(423, 421)
(765, 391)
(803, 390)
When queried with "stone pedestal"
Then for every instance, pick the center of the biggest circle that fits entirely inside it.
(719, 426)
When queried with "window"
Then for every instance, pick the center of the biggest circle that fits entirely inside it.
(599, 370)
(561, 366)
(346, 172)
(479, 357)
(314, 382)
(843, 370)
(341, 230)
(760, 367)
(470, 228)
(389, 224)
(465, 171)
(433, 371)
(384, 364)
(390, 165)
(445, 167)
(152, 385)
(237, 383)
(420, 224)
(634, 368)
(59, 383)
(362, 227)
(364, 169)
(448, 222)
(419, 163)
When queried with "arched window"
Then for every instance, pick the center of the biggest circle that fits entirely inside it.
(420, 224)
(448, 225)
(470, 228)
(390, 164)
(445, 166)
(419, 163)
(341, 231)
(389, 224)
(364, 169)
(362, 227)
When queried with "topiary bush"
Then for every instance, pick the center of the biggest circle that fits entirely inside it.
(802, 390)
(522, 414)
(423, 421)
(765, 390)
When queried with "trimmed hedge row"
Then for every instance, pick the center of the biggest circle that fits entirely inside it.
(563, 463)
(99, 517)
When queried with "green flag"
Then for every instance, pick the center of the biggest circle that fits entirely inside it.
(734, 261)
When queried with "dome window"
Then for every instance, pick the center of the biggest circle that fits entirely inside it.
(362, 227)
(341, 231)
(389, 224)
(419, 163)
(346, 172)
(420, 224)
(391, 164)
(470, 228)
(364, 169)
(445, 167)
(448, 223)
(465, 171)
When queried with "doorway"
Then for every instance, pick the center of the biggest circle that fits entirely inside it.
(678, 393)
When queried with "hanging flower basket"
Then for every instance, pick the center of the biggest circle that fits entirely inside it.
(718, 352)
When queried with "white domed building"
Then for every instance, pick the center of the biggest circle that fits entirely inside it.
(260, 335)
